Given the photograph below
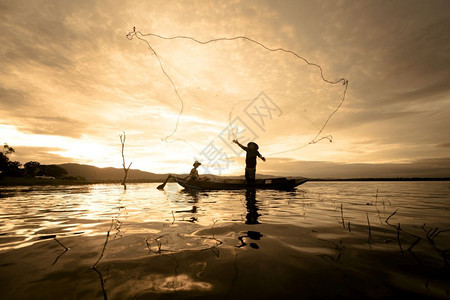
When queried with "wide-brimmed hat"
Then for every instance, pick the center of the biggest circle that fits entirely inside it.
(196, 163)
(254, 144)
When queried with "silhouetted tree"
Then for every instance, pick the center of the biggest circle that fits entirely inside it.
(7, 167)
(7, 149)
(4, 159)
(14, 169)
(125, 169)
(31, 168)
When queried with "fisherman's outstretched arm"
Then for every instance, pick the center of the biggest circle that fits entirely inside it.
(260, 156)
(240, 145)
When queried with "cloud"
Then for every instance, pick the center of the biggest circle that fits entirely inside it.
(390, 52)
(10, 99)
(432, 91)
(445, 145)
(47, 125)
(419, 64)
(28, 114)
(43, 155)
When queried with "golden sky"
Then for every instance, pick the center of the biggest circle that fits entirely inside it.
(71, 83)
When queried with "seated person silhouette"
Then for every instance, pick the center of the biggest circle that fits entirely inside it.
(193, 175)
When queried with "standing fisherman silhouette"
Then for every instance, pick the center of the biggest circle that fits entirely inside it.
(250, 160)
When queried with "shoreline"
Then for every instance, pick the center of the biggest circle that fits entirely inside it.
(22, 181)
(382, 179)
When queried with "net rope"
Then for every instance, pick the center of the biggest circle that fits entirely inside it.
(317, 138)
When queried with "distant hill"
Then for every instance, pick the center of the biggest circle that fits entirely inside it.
(115, 174)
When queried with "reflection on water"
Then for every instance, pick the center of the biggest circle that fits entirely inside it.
(354, 239)
(251, 218)
(252, 208)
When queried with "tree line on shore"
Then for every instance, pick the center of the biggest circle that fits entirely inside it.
(30, 169)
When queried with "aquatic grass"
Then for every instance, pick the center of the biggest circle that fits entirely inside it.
(342, 216)
(94, 267)
(338, 247)
(59, 256)
(369, 239)
(431, 234)
(399, 229)
(390, 216)
(53, 236)
(398, 239)
(149, 246)
(235, 277)
(214, 249)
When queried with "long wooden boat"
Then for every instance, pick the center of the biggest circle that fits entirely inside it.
(281, 183)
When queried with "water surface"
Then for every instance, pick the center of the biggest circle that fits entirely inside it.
(323, 240)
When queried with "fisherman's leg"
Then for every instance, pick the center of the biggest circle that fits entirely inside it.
(247, 175)
(250, 175)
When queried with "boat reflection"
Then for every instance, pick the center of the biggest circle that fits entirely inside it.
(193, 197)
